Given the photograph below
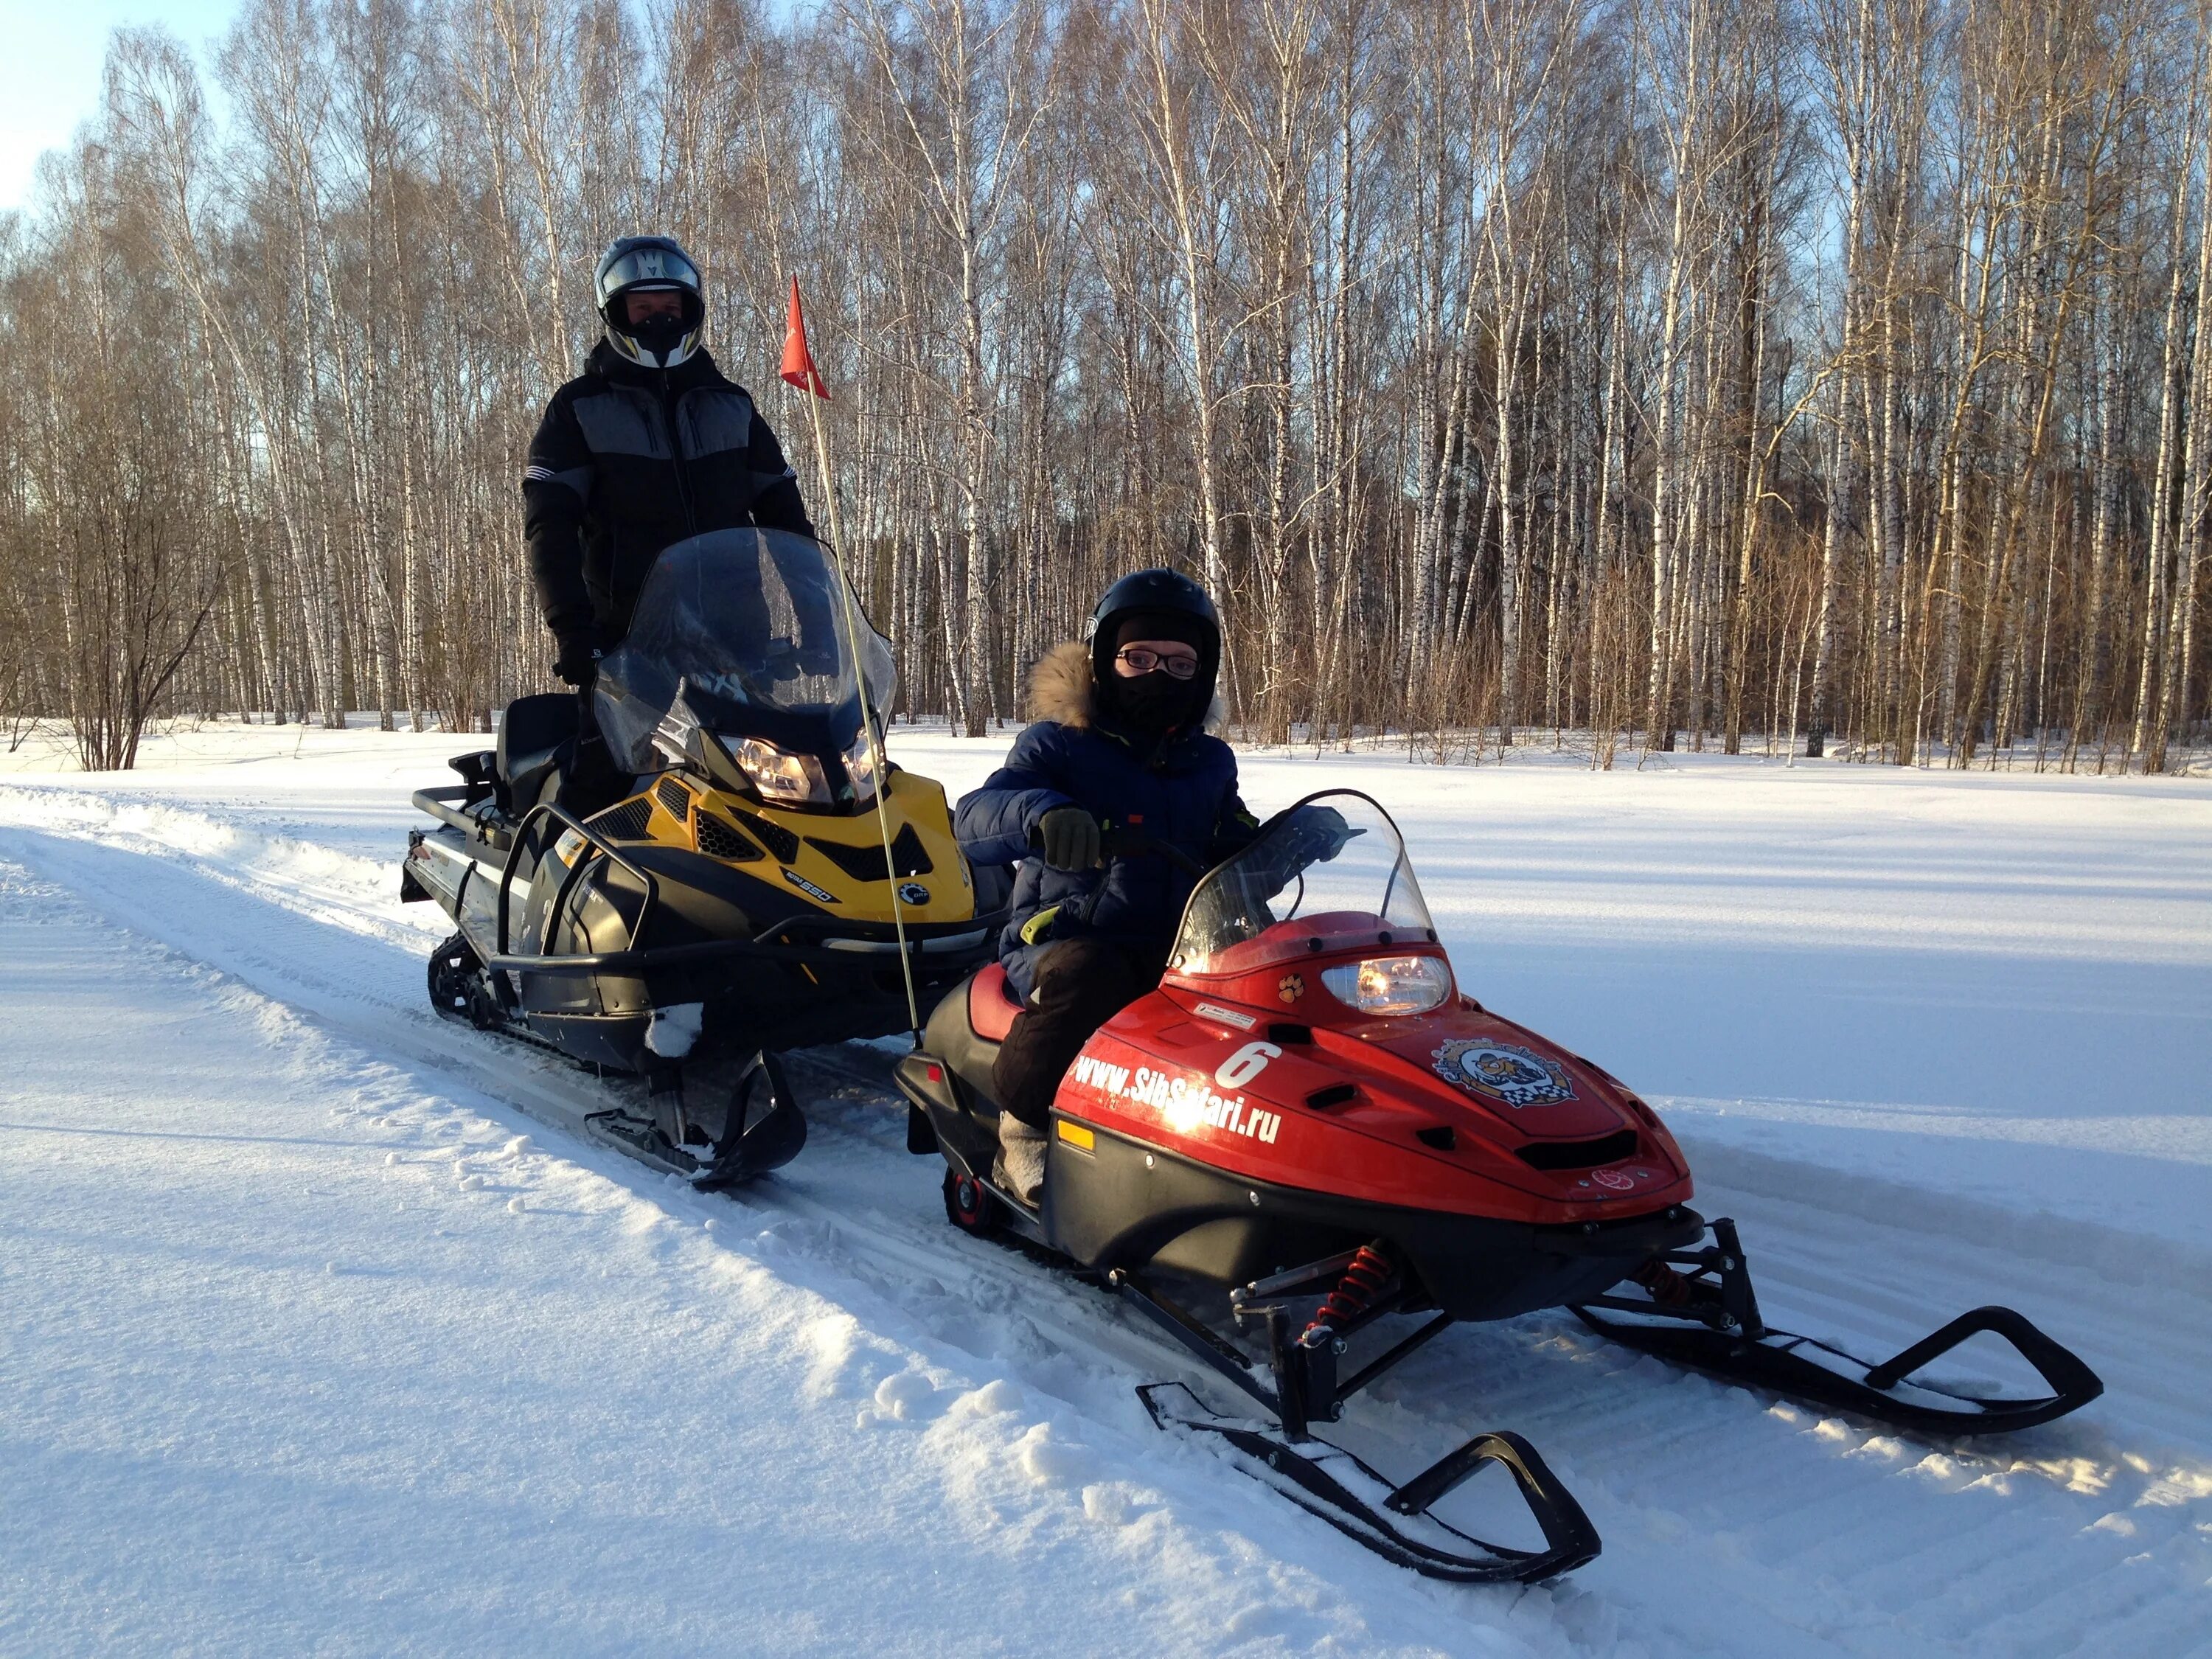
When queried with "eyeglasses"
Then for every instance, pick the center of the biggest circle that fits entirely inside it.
(1144, 661)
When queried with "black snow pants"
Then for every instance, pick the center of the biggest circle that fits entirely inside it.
(1081, 983)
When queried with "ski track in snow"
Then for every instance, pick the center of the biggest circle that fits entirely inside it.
(832, 1307)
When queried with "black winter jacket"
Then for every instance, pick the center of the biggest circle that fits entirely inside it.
(629, 459)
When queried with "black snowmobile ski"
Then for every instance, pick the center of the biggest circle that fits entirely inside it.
(764, 1130)
(1319, 1476)
(1708, 1320)
(1326, 1480)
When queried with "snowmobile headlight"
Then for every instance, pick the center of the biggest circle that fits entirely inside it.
(861, 762)
(781, 776)
(1390, 984)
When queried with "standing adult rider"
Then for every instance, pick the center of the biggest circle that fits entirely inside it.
(1118, 739)
(651, 444)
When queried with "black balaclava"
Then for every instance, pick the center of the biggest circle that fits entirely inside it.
(1157, 702)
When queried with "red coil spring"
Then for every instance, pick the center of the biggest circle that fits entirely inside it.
(1369, 1271)
(1668, 1288)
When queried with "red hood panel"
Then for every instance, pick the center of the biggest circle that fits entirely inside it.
(1502, 1071)
(1234, 1099)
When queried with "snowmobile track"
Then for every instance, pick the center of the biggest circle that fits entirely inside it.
(1773, 1529)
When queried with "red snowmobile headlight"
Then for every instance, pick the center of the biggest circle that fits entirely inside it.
(1390, 984)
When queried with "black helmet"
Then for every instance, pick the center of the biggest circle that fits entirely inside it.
(647, 264)
(1184, 612)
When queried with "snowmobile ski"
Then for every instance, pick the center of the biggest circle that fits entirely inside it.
(1708, 1320)
(1322, 1477)
(764, 1129)
(1328, 1481)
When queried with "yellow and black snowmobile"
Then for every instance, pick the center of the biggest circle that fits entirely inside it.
(750, 893)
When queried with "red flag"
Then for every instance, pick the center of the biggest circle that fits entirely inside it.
(798, 368)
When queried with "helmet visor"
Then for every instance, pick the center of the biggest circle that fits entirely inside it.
(647, 267)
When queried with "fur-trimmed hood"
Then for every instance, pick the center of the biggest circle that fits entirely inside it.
(1062, 689)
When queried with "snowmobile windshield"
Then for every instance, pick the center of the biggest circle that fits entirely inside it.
(742, 633)
(1333, 869)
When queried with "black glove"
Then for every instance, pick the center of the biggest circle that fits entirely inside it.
(576, 659)
(1316, 834)
(1069, 838)
(1329, 832)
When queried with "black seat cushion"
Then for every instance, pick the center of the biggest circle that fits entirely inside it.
(531, 736)
(952, 1039)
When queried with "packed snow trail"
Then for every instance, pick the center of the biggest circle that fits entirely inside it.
(331, 1357)
(1732, 1525)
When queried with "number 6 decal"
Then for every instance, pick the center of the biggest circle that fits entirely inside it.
(1247, 1063)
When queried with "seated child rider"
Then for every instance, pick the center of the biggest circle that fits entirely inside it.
(1118, 739)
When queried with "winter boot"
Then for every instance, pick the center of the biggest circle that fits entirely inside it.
(1019, 1171)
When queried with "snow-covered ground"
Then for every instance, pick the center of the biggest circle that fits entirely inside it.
(316, 1335)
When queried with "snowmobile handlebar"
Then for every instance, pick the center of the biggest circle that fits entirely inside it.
(1121, 842)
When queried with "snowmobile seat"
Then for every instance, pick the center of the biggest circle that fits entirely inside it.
(531, 734)
(992, 1004)
(966, 1027)
(995, 886)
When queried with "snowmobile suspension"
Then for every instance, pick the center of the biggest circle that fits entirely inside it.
(1717, 1290)
(1301, 1359)
(1365, 1277)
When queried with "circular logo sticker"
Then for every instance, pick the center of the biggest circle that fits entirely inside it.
(1615, 1181)
(912, 892)
(1503, 1072)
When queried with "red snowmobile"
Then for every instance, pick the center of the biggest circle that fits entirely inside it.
(1309, 1114)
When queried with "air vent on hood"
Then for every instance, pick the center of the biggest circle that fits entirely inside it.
(718, 840)
(867, 863)
(626, 821)
(774, 836)
(1579, 1154)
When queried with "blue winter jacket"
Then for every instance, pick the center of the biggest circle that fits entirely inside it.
(1183, 790)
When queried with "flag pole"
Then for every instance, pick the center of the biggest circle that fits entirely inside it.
(808, 379)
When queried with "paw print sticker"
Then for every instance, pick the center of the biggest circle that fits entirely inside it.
(1293, 988)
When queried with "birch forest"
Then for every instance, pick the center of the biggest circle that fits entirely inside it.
(1810, 376)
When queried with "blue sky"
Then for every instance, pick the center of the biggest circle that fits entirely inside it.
(50, 56)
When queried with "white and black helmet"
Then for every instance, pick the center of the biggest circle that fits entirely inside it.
(646, 265)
